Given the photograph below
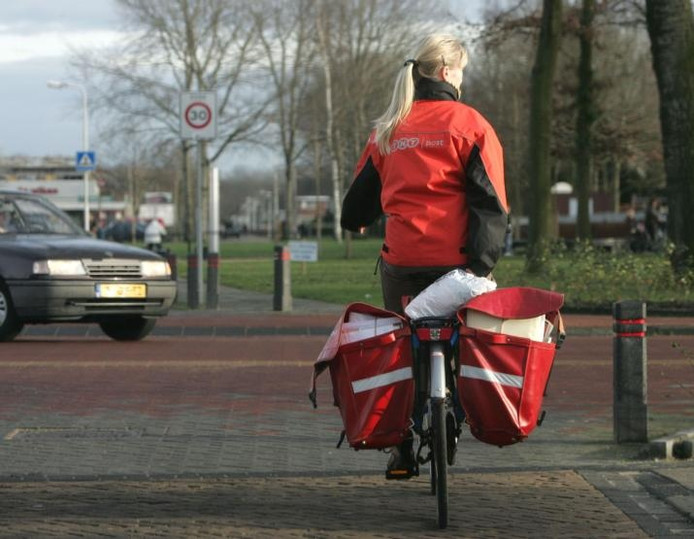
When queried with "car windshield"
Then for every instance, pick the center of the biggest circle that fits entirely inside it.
(19, 215)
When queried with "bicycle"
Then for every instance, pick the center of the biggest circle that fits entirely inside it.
(393, 376)
(437, 416)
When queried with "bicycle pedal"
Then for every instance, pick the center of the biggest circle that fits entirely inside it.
(401, 474)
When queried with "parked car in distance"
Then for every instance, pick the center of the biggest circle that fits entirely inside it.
(231, 230)
(122, 231)
(53, 271)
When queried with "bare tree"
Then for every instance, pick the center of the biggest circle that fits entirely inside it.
(496, 84)
(286, 38)
(326, 52)
(175, 46)
(626, 134)
(365, 43)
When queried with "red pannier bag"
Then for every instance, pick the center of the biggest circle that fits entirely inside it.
(371, 377)
(502, 378)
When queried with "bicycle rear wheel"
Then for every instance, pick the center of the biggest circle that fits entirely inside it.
(439, 461)
(432, 474)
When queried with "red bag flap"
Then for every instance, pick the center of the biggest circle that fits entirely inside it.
(515, 302)
(332, 345)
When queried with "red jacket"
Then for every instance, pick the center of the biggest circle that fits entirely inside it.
(441, 187)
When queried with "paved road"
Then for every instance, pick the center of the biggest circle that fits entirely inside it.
(205, 430)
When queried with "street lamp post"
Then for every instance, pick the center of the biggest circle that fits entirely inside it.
(58, 85)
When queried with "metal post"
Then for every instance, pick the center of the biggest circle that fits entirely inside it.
(85, 138)
(630, 375)
(213, 242)
(198, 222)
(282, 300)
(85, 143)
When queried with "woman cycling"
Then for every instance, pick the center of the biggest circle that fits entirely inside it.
(434, 167)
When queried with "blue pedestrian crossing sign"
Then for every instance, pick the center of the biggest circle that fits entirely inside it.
(85, 161)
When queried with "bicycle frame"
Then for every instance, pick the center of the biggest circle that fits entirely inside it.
(440, 336)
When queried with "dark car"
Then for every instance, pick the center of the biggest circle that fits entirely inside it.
(231, 230)
(53, 271)
(122, 231)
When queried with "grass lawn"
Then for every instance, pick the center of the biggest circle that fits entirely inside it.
(587, 277)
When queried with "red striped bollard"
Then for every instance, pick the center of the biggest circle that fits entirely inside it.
(630, 408)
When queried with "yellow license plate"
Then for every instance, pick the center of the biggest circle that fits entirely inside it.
(108, 290)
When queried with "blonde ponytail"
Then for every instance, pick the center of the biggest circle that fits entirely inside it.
(433, 53)
(398, 109)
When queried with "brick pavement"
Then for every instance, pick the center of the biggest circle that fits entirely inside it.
(518, 504)
(118, 460)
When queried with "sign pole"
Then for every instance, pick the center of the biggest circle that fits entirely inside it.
(198, 218)
(198, 122)
(85, 162)
(213, 241)
(86, 202)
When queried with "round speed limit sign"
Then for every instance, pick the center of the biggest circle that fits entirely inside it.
(198, 115)
(198, 118)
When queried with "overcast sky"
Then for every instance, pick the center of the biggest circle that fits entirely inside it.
(36, 37)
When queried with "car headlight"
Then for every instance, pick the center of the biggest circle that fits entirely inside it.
(156, 268)
(59, 267)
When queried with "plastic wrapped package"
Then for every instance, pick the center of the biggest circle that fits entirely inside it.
(447, 294)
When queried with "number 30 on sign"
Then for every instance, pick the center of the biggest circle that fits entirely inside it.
(198, 115)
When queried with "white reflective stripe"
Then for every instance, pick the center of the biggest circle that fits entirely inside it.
(380, 380)
(466, 371)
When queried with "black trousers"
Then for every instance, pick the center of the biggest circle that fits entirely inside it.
(399, 281)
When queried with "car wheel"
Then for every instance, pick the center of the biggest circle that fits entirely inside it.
(10, 326)
(128, 328)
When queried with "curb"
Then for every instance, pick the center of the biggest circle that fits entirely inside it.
(678, 446)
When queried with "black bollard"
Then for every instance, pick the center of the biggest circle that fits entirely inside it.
(212, 281)
(193, 299)
(282, 299)
(630, 409)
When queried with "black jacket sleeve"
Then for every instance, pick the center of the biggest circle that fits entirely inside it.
(362, 203)
(487, 218)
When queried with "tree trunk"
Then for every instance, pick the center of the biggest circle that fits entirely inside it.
(616, 183)
(317, 173)
(540, 229)
(585, 120)
(515, 190)
(329, 138)
(290, 202)
(671, 29)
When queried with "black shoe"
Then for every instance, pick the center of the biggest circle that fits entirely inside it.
(402, 464)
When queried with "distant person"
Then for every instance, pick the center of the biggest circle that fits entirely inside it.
(154, 231)
(6, 224)
(655, 223)
(100, 232)
(638, 240)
